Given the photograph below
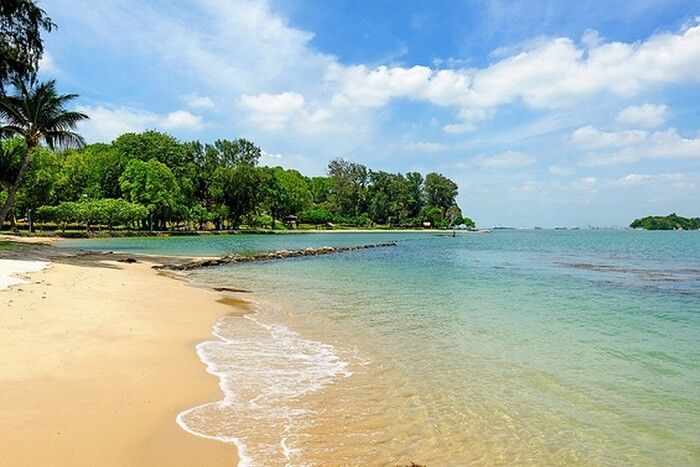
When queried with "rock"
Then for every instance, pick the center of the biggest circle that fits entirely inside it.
(267, 256)
(231, 289)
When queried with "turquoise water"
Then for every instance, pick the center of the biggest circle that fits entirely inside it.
(546, 347)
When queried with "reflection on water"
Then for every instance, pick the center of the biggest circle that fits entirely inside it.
(535, 347)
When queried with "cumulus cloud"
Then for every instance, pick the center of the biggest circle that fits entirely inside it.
(272, 111)
(591, 137)
(181, 120)
(249, 49)
(646, 115)
(106, 123)
(548, 74)
(195, 101)
(636, 145)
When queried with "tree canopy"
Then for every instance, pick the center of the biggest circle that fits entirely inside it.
(214, 185)
(36, 113)
(21, 45)
(670, 222)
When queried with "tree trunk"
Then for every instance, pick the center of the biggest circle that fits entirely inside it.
(13, 189)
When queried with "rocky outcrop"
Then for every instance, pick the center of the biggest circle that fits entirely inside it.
(269, 256)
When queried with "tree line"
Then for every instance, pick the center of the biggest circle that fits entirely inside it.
(151, 180)
(670, 222)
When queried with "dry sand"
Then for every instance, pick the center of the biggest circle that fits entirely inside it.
(97, 360)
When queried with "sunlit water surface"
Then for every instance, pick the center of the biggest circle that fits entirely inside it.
(538, 347)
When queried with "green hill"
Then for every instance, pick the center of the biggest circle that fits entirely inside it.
(670, 222)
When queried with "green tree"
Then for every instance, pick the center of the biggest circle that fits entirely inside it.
(389, 198)
(350, 183)
(432, 214)
(287, 193)
(440, 192)
(153, 185)
(315, 216)
(21, 45)
(239, 189)
(37, 113)
(453, 216)
(92, 171)
(237, 152)
(414, 192)
(105, 211)
(39, 187)
(11, 153)
(670, 222)
(321, 189)
(151, 145)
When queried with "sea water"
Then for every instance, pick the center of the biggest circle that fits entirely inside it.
(535, 347)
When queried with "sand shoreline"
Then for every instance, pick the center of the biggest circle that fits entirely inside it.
(98, 360)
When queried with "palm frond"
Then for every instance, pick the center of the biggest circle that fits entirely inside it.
(10, 131)
(63, 139)
(37, 112)
(11, 110)
(64, 121)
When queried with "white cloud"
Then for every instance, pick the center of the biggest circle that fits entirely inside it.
(375, 87)
(182, 120)
(107, 123)
(47, 64)
(668, 181)
(667, 144)
(586, 184)
(646, 115)
(456, 128)
(561, 170)
(590, 137)
(242, 48)
(505, 160)
(425, 146)
(195, 101)
(548, 74)
(272, 111)
(643, 179)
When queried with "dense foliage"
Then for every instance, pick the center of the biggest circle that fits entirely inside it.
(21, 46)
(153, 181)
(36, 113)
(670, 222)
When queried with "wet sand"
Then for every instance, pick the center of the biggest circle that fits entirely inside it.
(97, 360)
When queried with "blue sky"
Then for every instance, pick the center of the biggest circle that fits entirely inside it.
(544, 113)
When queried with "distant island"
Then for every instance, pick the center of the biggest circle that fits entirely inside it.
(670, 222)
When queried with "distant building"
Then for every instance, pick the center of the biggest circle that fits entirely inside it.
(290, 221)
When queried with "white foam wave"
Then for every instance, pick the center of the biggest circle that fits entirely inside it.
(264, 371)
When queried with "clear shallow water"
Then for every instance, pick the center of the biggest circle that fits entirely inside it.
(548, 347)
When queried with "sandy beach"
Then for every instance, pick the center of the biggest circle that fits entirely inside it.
(98, 359)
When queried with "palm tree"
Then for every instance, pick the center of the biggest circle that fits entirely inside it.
(37, 113)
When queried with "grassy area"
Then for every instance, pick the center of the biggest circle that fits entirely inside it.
(5, 245)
